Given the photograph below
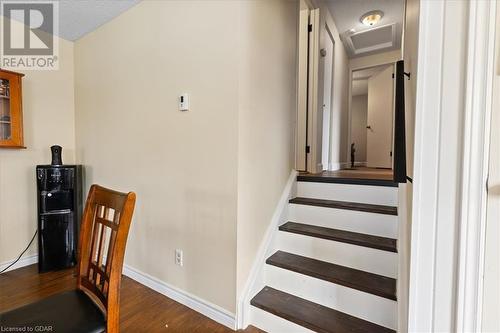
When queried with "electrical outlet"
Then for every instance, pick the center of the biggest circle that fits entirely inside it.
(179, 257)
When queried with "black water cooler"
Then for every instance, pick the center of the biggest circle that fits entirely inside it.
(59, 214)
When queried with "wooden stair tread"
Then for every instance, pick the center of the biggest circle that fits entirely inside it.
(355, 238)
(363, 207)
(314, 178)
(312, 315)
(349, 277)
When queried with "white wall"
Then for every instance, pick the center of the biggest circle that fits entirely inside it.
(267, 106)
(491, 287)
(410, 56)
(183, 165)
(48, 109)
(359, 111)
(438, 165)
(375, 59)
(207, 180)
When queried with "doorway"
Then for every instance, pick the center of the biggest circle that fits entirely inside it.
(329, 48)
(371, 120)
(315, 75)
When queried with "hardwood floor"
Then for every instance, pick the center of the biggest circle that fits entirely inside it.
(142, 309)
(357, 173)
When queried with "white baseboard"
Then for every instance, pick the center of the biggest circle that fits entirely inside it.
(280, 216)
(335, 166)
(207, 309)
(26, 261)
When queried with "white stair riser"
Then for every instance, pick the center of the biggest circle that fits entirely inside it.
(354, 256)
(351, 220)
(273, 324)
(378, 195)
(375, 309)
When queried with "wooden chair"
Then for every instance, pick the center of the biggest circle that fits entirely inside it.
(94, 305)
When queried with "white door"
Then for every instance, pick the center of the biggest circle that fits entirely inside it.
(308, 132)
(327, 57)
(379, 119)
(314, 117)
(302, 91)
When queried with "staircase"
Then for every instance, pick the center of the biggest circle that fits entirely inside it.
(334, 264)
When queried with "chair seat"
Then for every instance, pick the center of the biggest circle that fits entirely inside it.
(68, 312)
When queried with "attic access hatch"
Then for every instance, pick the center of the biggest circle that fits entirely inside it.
(374, 39)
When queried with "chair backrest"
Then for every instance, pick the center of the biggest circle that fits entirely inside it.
(103, 236)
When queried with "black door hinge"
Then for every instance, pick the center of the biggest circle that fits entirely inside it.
(310, 28)
(308, 149)
(390, 154)
(393, 75)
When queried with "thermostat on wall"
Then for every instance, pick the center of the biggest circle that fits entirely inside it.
(184, 102)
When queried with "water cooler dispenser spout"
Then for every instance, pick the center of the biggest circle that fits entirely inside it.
(56, 155)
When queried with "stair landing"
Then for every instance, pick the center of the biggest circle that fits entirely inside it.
(358, 175)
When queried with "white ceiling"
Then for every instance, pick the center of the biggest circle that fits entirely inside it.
(360, 79)
(359, 87)
(368, 72)
(79, 17)
(346, 14)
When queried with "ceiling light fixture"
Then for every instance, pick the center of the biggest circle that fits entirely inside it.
(372, 18)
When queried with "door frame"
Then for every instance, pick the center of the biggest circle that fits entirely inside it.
(307, 120)
(447, 257)
(476, 154)
(349, 103)
(491, 268)
(313, 130)
(302, 90)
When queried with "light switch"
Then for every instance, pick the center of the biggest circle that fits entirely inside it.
(184, 102)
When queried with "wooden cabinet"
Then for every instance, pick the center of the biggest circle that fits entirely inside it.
(11, 110)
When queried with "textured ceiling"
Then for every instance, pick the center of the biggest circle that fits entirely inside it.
(346, 14)
(79, 17)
